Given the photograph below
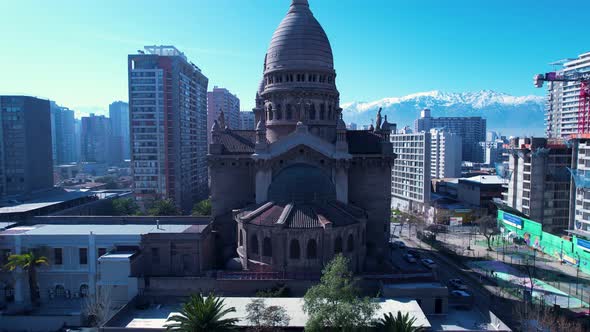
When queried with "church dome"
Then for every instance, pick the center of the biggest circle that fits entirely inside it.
(299, 42)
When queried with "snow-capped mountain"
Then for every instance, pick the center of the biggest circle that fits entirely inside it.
(510, 115)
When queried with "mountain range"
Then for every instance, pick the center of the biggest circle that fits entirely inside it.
(507, 114)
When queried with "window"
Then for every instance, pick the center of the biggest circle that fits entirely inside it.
(312, 249)
(57, 256)
(83, 256)
(289, 112)
(155, 255)
(350, 243)
(241, 242)
(102, 251)
(294, 249)
(338, 245)
(267, 247)
(312, 112)
(253, 244)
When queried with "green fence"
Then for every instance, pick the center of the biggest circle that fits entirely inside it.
(575, 251)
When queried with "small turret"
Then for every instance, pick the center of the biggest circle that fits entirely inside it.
(341, 143)
(215, 145)
(261, 144)
(221, 119)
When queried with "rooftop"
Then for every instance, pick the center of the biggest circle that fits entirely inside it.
(44, 199)
(155, 317)
(485, 179)
(103, 229)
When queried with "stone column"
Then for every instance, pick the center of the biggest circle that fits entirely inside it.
(341, 183)
(263, 180)
(92, 264)
(19, 276)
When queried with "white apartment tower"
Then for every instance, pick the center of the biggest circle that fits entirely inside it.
(445, 154)
(562, 99)
(410, 175)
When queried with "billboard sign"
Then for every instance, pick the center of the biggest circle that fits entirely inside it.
(512, 220)
(583, 244)
(455, 221)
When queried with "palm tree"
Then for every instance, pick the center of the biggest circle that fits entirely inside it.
(28, 262)
(202, 314)
(399, 323)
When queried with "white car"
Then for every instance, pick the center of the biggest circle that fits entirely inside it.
(409, 258)
(429, 263)
(460, 293)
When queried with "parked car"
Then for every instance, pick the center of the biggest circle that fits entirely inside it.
(400, 244)
(458, 284)
(409, 258)
(460, 293)
(429, 263)
(414, 253)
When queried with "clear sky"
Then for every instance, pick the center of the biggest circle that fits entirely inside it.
(75, 52)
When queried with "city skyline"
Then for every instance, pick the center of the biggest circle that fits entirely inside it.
(406, 48)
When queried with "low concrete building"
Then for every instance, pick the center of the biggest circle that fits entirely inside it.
(481, 190)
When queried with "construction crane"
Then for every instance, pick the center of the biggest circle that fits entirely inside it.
(584, 98)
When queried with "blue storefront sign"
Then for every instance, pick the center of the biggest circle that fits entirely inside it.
(584, 244)
(512, 220)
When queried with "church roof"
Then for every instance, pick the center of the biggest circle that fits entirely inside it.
(363, 142)
(302, 215)
(237, 141)
(244, 142)
(299, 42)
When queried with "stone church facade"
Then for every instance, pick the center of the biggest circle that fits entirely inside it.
(300, 188)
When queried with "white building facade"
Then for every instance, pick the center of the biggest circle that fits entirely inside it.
(445, 154)
(410, 175)
(561, 117)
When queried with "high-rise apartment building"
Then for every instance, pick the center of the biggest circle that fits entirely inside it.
(445, 154)
(410, 174)
(562, 99)
(247, 121)
(539, 183)
(218, 100)
(26, 161)
(95, 133)
(63, 136)
(471, 129)
(119, 117)
(168, 107)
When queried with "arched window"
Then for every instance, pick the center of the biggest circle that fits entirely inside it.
(253, 244)
(312, 249)
(241, 242)
(294, 249)
(60, 291)
(322, 113)
(279, 112)
(289, 112)
(312, 112)
(270, 112)
(350, 243)
(330, 114)
(83, 290)
(266, 247)
(338, 245)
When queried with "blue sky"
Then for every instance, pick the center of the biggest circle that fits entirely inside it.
(75, 52)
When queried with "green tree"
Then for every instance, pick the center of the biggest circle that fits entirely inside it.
(335, 301)
(266, 318)
(202, 208)
(399, 323)
(202, 314)
(164, 207)
(29, 263)
(124, 207)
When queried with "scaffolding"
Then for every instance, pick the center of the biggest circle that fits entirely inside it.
(503, 171)
(581, 179)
